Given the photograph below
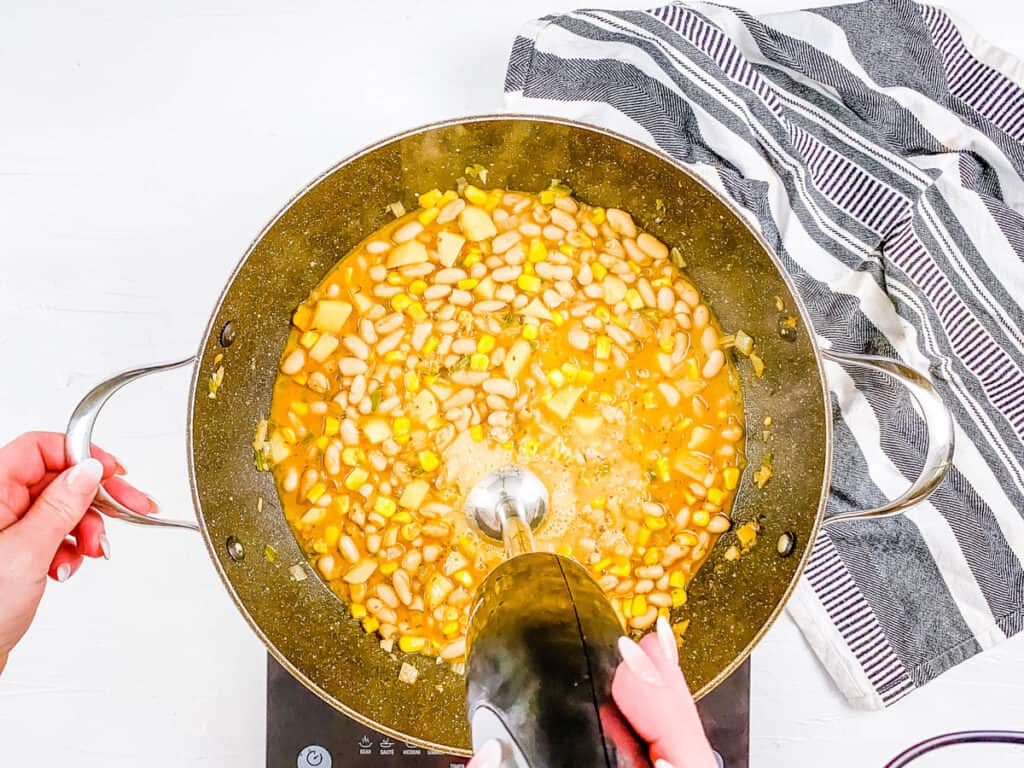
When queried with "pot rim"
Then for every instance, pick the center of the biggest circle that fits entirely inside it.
(510, 116)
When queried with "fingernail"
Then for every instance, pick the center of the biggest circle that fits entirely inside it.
(489, 755)
(637, 661)
(119, 467)
(85, 477)
(63, 572)
(105, 546)
(154, 508)
(662, 764)
(667, 640)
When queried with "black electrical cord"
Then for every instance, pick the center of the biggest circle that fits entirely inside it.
(952, 739)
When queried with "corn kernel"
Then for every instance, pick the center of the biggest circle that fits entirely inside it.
(428, 216)
(603, 314)
(435, 422)
(358, 611)
(687, 539)
(635, 267)
(416, 312)
(303, 317)
(531, 447)
(384, 506)
(627, 609)
(597, 216)
(603, 348)
(371, 624)
(331, 426)
(350, 456)
(655, 523)
(530, 331)
(331, 535)
(477, 433)
(715, 496)
(300, 408)
(678, 597)
(633, 299)
(410, 531)
(692, 369)
(465, 317)
(429, 461)
(389, 567)
(468, 283)
(556, 378)
(564, 549)
(394, 278)
(401, 425)
(622, 570)
(449, 628)
(599, 270)
(661, 468)
(700, 518)
(677, 579)
(395, 356)
(301, 378)
(538, 251)
(342, 503)
(322, 442)
(648, 399)
(475, 195)
(400, 302)
(653, 555)
(464, 577)
(639, 605)
(356, 478)
(472, 258)
(316, 492)
(412, 644)
(567, 249)
(585, 377)
(598, 503)
(479, 362)
(485, 343)
(643, 536)
(430, 199)
(417, 287)
(309, 338)
(557, 318)
(602, 564)
(430, 345)
(528, 283)
(731, 476)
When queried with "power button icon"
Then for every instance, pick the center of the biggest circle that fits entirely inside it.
(314, 757)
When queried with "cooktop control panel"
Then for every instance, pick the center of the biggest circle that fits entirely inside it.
(304, 732)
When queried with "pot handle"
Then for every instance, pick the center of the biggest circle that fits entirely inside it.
(78, 439)
(937, 419)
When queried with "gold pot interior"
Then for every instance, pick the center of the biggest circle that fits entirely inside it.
(302, 622)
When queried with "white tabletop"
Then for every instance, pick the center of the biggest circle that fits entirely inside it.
(141, 148)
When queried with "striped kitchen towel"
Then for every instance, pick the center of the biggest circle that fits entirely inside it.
(877, 147)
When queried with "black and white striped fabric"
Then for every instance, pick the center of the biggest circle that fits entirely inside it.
(878, 148)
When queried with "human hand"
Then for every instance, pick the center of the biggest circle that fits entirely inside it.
(651, 692)
(46, 526)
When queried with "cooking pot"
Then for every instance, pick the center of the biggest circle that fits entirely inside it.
(303, 624)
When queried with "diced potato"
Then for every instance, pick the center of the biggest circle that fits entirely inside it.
(564, 401)
(692, 464)
(410, 252)
(455, 562)
(279, 450)
(414, 493)
(424, 406)
(324, 346)
(698, 437)
(449, 245)
(330, 315)
(537, 309)
(517, 358)
(363, 302)
(476, 223)
(485, 288)
(438, 589)
(587, 425)
(614, 289)
(376, 430)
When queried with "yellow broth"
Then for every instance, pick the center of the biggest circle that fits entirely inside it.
(489, 328)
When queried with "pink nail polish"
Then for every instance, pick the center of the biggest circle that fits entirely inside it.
(667, 640)
(105, 546)
(84, 477)
(154, 508)
(488, 756)
(63, 572)
(641, 666)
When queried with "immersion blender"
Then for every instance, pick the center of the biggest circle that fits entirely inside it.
(542, 644)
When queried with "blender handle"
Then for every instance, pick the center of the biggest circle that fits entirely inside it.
(78, 439)
(938, 422)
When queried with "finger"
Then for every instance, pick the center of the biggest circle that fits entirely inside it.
(56, 512)
(131, 496)
(91, 537)
(27, 458)
(652, 694)
(67, 560)
(488, 756)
